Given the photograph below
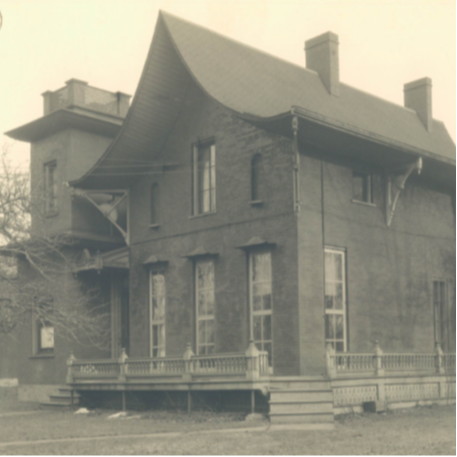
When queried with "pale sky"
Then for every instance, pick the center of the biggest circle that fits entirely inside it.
(383, 44)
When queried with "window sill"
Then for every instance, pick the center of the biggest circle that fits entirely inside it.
(154, 226)
(358, 202)
(42, 356)
(196, 216)
(256, 202)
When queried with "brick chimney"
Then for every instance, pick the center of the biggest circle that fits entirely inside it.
(418, 96)
(322, 56)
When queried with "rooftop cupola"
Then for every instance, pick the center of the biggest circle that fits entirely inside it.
(78, 94)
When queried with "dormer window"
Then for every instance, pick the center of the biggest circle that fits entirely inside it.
(50, 187)
(204, 178)
(362, 187)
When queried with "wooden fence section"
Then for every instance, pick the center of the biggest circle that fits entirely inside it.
(250, 365)
(380, 363)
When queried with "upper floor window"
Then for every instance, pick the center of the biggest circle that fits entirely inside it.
(50, 187)
(440, 313)
(204, 178)
(362, 187)
(154, 205)
(256, 178)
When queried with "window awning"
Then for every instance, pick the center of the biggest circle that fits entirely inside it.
(118, 258)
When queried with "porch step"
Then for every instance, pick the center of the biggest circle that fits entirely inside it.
(61, 399)
(301, 400)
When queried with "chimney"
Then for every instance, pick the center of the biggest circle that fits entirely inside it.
(322, 56)
(418, 96)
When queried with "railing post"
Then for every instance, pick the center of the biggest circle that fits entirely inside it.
(379, 371)
(122, 366)
(252, 362)
(330, 360)
(188, 368)
(439, 358)
(378, 353)
(70, 361)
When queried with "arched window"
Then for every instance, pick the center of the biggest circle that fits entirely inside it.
(256, 178)
(154, 204)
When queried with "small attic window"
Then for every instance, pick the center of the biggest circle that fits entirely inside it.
(362, 187)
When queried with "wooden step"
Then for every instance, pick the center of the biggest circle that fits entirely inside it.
(301, 407)
(301, 395)
(299, 385)
(310, 418)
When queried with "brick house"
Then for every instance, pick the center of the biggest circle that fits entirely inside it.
(245, 198)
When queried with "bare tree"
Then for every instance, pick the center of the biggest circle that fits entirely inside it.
(36, 269)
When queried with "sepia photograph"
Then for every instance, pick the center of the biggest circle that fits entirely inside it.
(227, 227)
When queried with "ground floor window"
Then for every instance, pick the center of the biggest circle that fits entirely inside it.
(440, 313)
(261, 302)
(335, 299)
(157, 303)
(205, 303)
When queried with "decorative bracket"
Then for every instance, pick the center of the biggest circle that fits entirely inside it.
(297, 203)
(108, 202)
(396, 181)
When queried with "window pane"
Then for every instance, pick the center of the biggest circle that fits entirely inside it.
(338, 301)
(339, 327)
(201, 332)
(209, 331)
(358, 186)
(329, 267)
(338, 258)
(46, 337)
(267, 327)
(267, 347)
(257, 328)
(329, 327)
(155, 335)
(339, 347)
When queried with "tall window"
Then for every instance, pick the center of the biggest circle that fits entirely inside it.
(362, 187)
(204, 178)
(50, 187)
(154, 204)
(256, 178)
(204, 293)
(335, 299)
(260, 298)
(440, 313)
(157, 301)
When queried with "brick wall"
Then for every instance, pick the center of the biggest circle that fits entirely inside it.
(389, 269)
(234, 223)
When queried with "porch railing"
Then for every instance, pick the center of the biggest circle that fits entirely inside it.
(252, 364)
(378, 362)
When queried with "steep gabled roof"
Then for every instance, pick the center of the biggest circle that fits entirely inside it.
(255, 85)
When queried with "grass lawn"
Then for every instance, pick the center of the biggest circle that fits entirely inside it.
(426, 430)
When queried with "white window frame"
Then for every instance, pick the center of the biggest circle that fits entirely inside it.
(157, 322)
(263, 312)
(338, 312)
(197, 206)
(207, 317)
